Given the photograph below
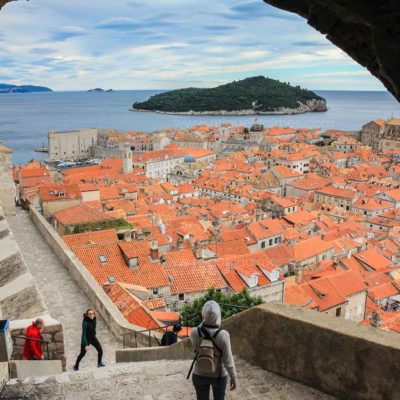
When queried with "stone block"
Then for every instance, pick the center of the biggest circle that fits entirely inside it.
(22, 369)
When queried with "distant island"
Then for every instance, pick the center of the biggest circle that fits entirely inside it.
(255, 95)
(100, 90)
(6, 88)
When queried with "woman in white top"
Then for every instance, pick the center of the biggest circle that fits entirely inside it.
(218, 380)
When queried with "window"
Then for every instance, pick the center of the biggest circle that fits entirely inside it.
(103, 259)
(263, 244)
(181, 296)
(338, 312)
(155, 291)
(271, 242)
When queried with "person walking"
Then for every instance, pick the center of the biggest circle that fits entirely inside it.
(33, 349)
(89, 338)
(213, 360)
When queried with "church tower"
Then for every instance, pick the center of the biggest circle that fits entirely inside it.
(127, 166)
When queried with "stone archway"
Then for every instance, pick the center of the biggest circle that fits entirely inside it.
(367, 30)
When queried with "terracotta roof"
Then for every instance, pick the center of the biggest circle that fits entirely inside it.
(198, 276)
(131, 307)
(80, 214)
(91, 237)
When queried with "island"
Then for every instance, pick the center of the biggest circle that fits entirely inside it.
(254, 95)
(100, 90)
(6, 88)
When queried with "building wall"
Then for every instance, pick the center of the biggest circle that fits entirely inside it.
(355, 308)
(93, 195)
(71, 145)
(50, 207)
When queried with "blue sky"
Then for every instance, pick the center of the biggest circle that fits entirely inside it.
(166, 44)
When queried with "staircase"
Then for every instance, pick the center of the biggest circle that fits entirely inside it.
(153, 380)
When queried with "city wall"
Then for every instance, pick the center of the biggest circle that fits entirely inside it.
(7, 187)
(118, 325)
(333, 355)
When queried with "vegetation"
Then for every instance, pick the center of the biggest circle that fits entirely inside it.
(6, 88)
(117, 224)
(191, 313)
(257, 93)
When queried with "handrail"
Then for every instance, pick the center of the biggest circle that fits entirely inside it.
(124, 334)
(45, 342)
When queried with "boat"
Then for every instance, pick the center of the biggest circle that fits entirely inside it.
(42, 149)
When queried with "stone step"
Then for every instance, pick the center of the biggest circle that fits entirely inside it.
(153, 380)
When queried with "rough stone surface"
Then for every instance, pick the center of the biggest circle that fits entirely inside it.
(63, 297)
(155, 380)
(368, 31)
(23, 304)
(10, 268)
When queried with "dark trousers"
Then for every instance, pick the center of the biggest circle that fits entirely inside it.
(202, 385)
(96, 344)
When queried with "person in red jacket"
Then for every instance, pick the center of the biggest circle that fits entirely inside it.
(33, 348)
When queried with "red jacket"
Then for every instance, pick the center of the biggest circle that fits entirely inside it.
(32, 348)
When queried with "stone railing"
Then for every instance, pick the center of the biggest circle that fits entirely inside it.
(336, 356)
(117, 324)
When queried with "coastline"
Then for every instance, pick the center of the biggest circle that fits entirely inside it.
(311, 106)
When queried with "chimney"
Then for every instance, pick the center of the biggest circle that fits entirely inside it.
(154, 253)
(299, 275)
(375, 319)
(128, 236)
(198, 251)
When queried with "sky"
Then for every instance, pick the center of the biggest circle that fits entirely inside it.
(167, 44)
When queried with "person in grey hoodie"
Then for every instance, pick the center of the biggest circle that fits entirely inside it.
(211, 313)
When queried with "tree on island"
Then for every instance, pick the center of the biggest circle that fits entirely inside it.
(231, 304)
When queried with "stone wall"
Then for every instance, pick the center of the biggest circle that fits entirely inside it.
(104, 152)
(338, 357)
(117, 324)
(52, 333)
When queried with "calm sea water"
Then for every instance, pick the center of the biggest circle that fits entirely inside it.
(25, 119)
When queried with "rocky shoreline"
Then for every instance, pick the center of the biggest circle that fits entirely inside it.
(310, 106)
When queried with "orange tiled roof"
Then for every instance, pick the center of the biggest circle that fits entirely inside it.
(198, 276)
(91, 237)
(80, 214)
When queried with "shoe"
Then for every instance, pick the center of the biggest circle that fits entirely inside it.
(101, 364)
(75, 368)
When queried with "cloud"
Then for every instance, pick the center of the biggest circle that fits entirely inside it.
(309, 43)
(169, 44)
(119, 23)
(258, 9)
(67, 32)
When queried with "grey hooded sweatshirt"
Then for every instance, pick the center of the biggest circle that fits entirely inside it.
(211, 313)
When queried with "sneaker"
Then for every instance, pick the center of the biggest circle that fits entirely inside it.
(75, 368)
(101, 364)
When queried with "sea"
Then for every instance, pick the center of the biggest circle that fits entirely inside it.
(26, 118)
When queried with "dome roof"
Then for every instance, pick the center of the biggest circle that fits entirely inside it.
(189, 159)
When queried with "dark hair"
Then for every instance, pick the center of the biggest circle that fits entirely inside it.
(177, 328)
(87, 311)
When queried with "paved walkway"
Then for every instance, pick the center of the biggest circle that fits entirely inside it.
(63, 297)
(155, 380)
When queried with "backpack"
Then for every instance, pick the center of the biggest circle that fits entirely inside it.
(208, 355)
